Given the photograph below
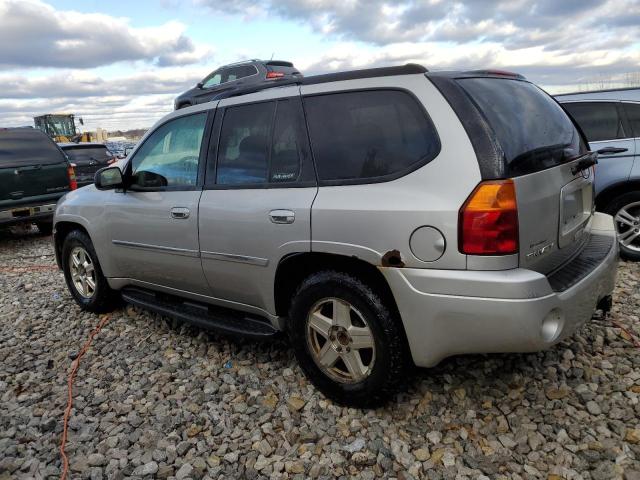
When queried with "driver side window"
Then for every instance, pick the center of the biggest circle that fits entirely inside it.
(169, 157)
(213, 80)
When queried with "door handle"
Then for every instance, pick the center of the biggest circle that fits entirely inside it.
(282, 216)
(180, 212)
(610, 150)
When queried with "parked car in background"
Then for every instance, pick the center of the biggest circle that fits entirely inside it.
(230, 79)
(611, 121)
(87, 158)
(380, 217)
(34, 174)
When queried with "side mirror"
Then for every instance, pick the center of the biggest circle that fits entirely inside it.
(199, 84)
(127, 151)
(108, 178)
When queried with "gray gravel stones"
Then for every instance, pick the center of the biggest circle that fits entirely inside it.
(158, 399)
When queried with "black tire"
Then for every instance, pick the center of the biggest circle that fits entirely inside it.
(613, 208)
(45, 228)
(388, 373)
(103, 298)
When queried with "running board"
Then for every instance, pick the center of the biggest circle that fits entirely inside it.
(222, 320)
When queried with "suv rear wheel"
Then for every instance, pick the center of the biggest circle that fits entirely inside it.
(347, 340)
(84, 276)
(625, 210)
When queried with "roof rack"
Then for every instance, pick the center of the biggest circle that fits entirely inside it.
(408, 69)
(603, 90)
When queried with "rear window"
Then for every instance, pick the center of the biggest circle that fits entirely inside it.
(22, 147)
(87, 154)
(532, 129)
(365, 136)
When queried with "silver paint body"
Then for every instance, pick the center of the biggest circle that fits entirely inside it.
(227, 251)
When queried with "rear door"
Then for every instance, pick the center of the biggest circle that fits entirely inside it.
(540, 145)
(153, 226)
(256, 205)
(632, 109)
(32, 168)
(607, 130)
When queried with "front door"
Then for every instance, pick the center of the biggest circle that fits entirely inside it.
(154, 224)
(256, 205)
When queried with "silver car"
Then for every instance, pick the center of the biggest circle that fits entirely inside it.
(381, 218)
(610, 120)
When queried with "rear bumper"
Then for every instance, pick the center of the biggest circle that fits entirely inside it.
(456, 312)
(27, 213)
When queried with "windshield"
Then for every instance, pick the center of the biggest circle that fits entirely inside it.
(56, 125)
(533, 130)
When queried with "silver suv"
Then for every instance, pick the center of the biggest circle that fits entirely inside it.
(381, 218)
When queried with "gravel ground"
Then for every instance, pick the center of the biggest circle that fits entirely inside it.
(154, 398)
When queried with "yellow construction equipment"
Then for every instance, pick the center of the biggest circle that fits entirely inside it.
(61, 127)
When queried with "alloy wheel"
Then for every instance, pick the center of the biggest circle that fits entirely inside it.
(340, 340)
(627, 222)
(83, 274)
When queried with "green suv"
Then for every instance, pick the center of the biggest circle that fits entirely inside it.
(34, 174)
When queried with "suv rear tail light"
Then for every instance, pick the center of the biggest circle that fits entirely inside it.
(71, 173)
(273, 75)
(488, 220)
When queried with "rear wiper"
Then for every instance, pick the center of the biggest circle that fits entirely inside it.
(585, 161)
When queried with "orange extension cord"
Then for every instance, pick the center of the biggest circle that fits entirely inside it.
(72, 375)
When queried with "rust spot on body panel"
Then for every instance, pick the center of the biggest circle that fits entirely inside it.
(392, 259)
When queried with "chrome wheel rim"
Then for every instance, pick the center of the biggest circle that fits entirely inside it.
(340, 341)
(628, 226)
(83, 274)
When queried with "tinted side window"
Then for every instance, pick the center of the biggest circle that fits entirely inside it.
(214, 79)
(243, 155)
(170, 155)
(598, 120)
(633, 114)
(369, 134)
(285, 151)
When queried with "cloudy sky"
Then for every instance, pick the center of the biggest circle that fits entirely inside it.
(119, 64)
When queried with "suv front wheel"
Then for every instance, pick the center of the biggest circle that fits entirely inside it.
(83, 274)
(347, 341)
(625, 210)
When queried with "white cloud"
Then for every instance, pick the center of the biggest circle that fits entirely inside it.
(35, 34)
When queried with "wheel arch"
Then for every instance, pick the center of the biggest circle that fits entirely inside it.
(605, 197)
(62, 230)
(294, 268)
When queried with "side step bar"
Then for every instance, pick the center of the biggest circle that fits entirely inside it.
(222, 320)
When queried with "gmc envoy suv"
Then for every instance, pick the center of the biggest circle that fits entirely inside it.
(381, 218)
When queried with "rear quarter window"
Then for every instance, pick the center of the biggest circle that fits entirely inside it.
(369, 136)
(533, 131)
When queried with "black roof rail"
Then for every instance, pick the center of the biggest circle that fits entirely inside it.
(602, 90)
(408, 69)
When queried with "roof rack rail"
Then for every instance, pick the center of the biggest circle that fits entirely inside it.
(248, 60)
(408, 69)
